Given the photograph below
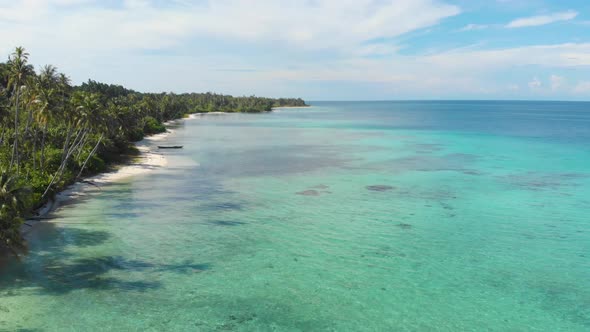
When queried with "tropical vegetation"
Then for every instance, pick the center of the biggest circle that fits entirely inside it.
(52, 133)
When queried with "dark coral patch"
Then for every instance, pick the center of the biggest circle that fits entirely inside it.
(471, 172)
(309, 193)
(227, 223)
(380, 187)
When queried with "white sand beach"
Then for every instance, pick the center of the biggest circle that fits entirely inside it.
(148, 160)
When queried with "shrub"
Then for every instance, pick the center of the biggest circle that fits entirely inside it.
(153, 126)
(135, 135)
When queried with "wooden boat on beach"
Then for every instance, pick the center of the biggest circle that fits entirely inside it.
(170, 147)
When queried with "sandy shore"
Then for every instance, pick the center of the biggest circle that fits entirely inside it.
(148, 160)
(196, 115)
(274, 108)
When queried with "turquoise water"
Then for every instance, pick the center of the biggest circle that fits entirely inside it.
(381, 216)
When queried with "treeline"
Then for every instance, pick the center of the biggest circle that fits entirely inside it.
(194, 102)
(53, 133)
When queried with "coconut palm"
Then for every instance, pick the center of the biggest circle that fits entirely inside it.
(47, 86)
(94, 118)
(18, 71)
(29, 101)
(67, 114)
(4, 115)
(86, 120)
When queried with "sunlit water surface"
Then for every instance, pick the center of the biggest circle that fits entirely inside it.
(383, 216)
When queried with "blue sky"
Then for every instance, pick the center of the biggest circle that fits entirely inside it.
(315, 49)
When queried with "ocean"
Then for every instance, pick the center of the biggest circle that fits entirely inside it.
(346, 216)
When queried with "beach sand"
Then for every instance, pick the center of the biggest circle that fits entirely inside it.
(148, 160)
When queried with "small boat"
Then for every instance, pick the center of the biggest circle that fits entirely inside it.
(170, 147)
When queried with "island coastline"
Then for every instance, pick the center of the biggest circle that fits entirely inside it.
(146, 161)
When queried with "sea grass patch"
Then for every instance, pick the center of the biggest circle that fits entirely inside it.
(309, 193)
(380, 187)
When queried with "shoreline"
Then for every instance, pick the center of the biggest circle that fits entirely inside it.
(307, 106)
(147, 160)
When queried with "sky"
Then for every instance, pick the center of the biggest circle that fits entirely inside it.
(314, 49)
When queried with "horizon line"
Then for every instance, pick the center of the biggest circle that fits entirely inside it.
(450, 100)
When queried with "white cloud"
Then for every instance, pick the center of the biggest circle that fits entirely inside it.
(472, 27)
(582, 88)
(453, 74)
(542, 19)
(187, 45)
(380, 49)
(339, 25)
(556, 82)
(551, 56)
(461, 71)
(535, 84)
(321, 24)
(513, 87)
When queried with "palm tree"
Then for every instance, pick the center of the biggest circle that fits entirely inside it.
(4, 116)
(13, 204)
(95, 119)
(67, 115)
(47, 85)
(4, 108)
(17, 73)
(31, 101)
(86, 119)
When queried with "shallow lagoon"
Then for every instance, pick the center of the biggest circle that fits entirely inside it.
(438, 216)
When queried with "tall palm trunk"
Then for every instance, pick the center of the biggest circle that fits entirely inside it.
(15, 145)
(42, 160)
(83, 140)
(27, 137)
(34, 156)
(90, 155)
(29, 121)
(67, 142)
(59, 173)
